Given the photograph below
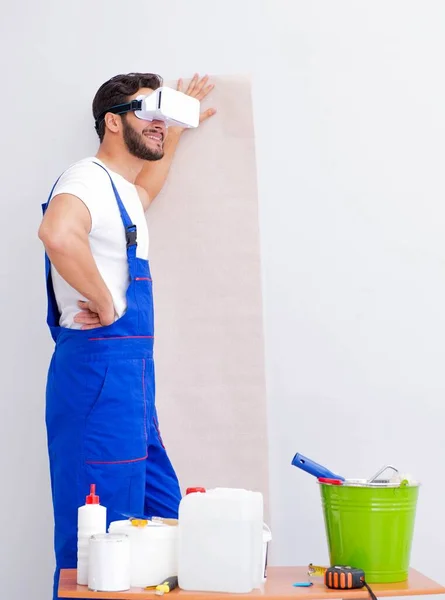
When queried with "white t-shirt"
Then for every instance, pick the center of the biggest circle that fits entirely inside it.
(92, 185)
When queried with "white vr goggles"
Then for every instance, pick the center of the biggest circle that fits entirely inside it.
(164, 104)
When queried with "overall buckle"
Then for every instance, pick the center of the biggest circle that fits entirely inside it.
(131, 235)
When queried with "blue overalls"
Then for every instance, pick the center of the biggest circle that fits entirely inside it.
(101, 419)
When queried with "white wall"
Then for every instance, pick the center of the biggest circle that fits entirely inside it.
(350, 164)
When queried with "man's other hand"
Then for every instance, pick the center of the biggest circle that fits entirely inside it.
(198, 88)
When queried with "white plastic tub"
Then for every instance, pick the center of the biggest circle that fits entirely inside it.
(153, 551)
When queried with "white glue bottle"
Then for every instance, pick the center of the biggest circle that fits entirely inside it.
(91, 520)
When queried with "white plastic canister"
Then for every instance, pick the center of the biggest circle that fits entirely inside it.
(221, 540)
(153, 551)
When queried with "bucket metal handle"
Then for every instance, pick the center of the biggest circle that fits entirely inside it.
(380, 472)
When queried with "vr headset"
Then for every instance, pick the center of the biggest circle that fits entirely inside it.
(164, 104)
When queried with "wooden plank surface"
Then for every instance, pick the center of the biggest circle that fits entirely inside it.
(278, 587)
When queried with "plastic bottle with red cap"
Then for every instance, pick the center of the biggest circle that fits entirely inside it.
(91, 520)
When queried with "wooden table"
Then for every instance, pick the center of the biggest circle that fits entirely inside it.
(278, 587)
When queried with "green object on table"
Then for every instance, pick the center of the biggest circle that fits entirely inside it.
(371, 528)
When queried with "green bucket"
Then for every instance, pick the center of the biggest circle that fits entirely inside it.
(370, 527)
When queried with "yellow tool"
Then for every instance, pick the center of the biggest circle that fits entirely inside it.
(139, 522)
(316, 571)
(165, 587)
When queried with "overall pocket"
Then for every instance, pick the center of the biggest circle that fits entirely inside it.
(116, 424)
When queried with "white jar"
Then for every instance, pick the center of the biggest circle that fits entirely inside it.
(153, 551)
(220, 540)
(91, 520)
(109, 563)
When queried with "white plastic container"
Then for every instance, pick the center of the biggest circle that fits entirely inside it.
(109, 563)
(91, 520)
(220, 543)
(153, 551)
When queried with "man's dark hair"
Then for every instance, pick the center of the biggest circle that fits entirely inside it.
(118, 90)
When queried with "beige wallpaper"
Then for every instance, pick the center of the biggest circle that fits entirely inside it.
(205, 260)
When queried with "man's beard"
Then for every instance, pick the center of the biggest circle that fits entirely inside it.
(136, 146)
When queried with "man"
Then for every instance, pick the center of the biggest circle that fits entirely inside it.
(101, 418)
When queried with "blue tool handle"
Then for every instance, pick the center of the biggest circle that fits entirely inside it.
(313, 468)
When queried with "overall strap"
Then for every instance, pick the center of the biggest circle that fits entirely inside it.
(130, 228)
(45, 206)
(52, 313)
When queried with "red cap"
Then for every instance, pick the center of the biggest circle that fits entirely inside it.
(92, 498)
(195, 490)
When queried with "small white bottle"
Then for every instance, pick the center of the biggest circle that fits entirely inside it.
(91, 520)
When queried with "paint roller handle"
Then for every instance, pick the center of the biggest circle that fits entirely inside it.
(313, 468)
